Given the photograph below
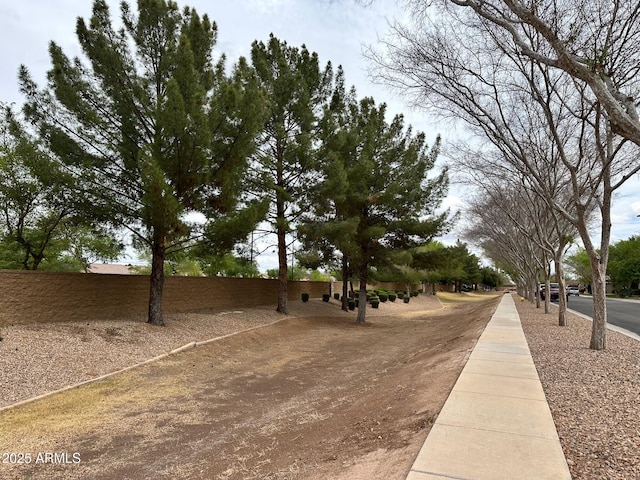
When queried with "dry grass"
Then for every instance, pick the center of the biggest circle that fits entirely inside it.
(80, 410)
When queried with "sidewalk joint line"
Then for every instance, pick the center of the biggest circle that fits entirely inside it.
(504, 432)
(501, 375)
(503, 396)
(441, 475)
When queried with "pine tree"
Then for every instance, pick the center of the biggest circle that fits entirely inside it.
(328, 228)
(296, 88)
(140, 127)
(375, 198)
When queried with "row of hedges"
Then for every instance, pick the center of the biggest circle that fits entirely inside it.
(374, 297)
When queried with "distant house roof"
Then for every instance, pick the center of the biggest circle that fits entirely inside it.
(109, 268)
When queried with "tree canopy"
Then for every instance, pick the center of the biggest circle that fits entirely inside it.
(41, 226)
(144, 129)
(592, 41)
(147, 126)
(624, 265)
(375, 197)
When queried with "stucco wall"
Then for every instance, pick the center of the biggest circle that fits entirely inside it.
(34, 297)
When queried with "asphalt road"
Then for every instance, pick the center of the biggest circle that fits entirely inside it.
(623, 313)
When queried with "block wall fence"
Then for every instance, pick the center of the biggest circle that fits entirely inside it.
(37, 297)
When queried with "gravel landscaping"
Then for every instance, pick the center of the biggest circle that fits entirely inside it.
(593, 396)
(40, 358)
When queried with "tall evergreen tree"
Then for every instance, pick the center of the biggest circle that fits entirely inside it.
(460, 267)
(296, 88)
(149, 127)
(377, 197)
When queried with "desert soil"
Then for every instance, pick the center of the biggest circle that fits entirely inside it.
(309, 397)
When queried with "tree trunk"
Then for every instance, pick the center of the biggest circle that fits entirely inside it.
(534, 291)
(157, 283)
(281, 230)
(599, 326)
(562, 298)
(282, 271)
(547, 292)
(599, 260)
(345, 284)
(362, 302)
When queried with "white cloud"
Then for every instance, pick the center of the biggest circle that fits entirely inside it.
(452, 202)
(624, 210)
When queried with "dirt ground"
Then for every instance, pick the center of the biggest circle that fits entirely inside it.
(306, 398)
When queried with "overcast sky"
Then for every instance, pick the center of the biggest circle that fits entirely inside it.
(336, 29)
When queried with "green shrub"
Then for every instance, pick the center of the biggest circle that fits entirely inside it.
(406, 299)
(400, 295)
(352, 304)
(325, 297)
(392, 297)
(305, 297)
(375, 303)
(336, 296)
(383, 297)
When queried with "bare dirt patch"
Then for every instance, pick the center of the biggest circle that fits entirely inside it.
(305, 398)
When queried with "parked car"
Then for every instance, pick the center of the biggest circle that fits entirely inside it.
(554, 292)
(573, 291)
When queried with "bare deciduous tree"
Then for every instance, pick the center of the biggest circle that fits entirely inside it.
(543, 123)
(512, 201)
(593, 41)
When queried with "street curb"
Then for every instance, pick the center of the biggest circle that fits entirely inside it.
(615, 328)
(610, 326)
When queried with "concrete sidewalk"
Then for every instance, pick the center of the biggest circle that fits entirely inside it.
(496, 423)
